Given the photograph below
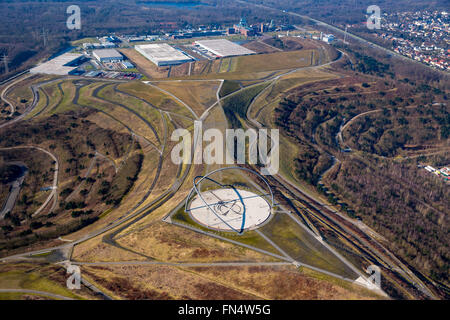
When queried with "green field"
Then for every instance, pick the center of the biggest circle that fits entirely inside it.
(235, 106)
(302, 246)
(23, 277)
(228, 87)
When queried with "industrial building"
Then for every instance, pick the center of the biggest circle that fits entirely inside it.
(103, 45)
(223, 48)
(127, 65)
(243, 28)
(64, 64)
(328, 38)
(195, 34)
(107, 55)
(162, 54)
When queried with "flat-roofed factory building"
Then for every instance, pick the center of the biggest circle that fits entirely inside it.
(64, 64)
(223, 48)
(107, 55)
(162, 54)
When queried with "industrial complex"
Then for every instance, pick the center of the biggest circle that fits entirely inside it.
(107, 55)
(162, 54)
(223, 48)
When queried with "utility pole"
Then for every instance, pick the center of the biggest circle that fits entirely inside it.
(345, 35)
(44, 36)
(5, 60)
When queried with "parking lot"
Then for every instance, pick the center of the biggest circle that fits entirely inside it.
(113, 75)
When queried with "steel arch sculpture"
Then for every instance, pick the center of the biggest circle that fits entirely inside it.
(198, 179)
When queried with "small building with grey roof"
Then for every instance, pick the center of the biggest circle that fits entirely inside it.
(107, 55)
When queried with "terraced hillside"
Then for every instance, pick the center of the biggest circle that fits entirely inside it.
(107, 197)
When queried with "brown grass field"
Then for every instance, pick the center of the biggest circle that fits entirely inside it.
(244, 67)
(217, 283)
(171, 243)
(199, 95)
(273, 61)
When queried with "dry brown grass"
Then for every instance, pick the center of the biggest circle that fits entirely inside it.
(139, 189)
(246, 282)
(171, 243)
(117, 112)
(159, 282)
(273, 61)
(260, 47)
(283, 282)
(196, 94)
(95, 250)
(156, 97)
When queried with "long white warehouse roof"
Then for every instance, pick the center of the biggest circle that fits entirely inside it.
(57, 65)
(224, 48)
(162, 53)
(107, 53)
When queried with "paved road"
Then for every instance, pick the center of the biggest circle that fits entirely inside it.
(55, 175)
(159, 202)
(15, 189)
(11, 105)
(345, 125)
(232, 241)
(35, 90)
(376, 249)
(110, 238)
(41, 293)
(148, 124)
(218, 99)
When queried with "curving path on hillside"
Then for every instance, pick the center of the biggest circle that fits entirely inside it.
(36, 292)
(138, 212)
(53, 193)
(5, 90)
(16, 185)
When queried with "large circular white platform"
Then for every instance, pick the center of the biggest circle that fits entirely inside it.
(227, 205)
